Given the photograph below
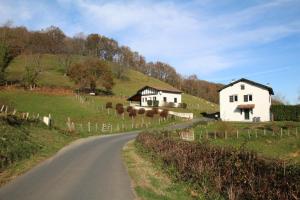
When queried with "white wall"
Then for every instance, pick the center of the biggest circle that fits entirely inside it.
(260, 98)
(159, 97)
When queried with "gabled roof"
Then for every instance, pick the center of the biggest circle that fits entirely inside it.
(251, 83)
(159, 88)
(135, 97)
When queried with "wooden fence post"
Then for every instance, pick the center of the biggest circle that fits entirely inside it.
(89, 126)
(264, 131)
(215, 135)
(296, 131)
(225, 135)
(256, 133)
(237, 133)
(96, 127)
(249, 135)
(280, 132)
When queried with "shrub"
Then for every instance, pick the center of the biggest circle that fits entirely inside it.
(129, 108)
(155, 103)
(141, 111)
(118, 105)
(149, 102)
(120, 110)
(155, 111)
(183, 105)
(286, 112)
(149, 113)
(164, 113)
(227, 171)
(132, 113)
(108, 105)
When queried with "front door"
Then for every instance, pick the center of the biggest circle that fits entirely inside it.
(247, 114)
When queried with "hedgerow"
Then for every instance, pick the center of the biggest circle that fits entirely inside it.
(234, 174)
(286, 112)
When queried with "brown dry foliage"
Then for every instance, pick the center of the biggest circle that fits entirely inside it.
(238, 174)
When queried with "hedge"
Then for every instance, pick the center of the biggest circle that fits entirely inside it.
(286, 112)
(232, 173)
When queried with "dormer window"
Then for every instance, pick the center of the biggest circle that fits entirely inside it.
(242, 87)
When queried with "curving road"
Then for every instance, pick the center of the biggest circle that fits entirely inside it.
(87, 169)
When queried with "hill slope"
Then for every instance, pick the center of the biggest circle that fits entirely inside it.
(53, 76)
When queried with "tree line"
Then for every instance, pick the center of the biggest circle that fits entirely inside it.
(52, 40)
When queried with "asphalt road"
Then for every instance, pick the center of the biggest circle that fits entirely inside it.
(87, 169)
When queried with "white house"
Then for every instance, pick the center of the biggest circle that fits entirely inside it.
(245, 100)
(162, 96)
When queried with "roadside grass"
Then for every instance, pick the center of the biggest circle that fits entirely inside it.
(48, 141)
(255, 137)
(149, 180)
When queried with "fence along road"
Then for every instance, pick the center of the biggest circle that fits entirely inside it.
(89, 168)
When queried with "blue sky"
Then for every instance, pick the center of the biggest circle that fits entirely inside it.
(216, 40)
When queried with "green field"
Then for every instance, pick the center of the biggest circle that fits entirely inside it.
(53, 76)
(282, 143)
(63, 107)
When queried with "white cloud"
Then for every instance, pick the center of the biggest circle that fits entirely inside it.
(169, 32)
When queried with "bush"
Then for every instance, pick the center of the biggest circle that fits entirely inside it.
(108, 105)
(155, 103)
(132, 113)
(164, 113)
(129, 108)
(120, 110)
(227, 171)
(155, 111)
(16, 141)
(149, 113)
(286, 112)
(141, 111)
(149, 102)
(118, 105)
(183, 105)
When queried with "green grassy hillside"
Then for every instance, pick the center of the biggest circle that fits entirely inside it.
(53, 76)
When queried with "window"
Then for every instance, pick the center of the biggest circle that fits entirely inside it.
(233, 98)
(175, 100)
(242, 87)
(154, 98)
(165, 99)
(250, 97)
(245, 98)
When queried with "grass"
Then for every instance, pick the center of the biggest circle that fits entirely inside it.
(53, 76)
(48, 142)
(268, 144)
(63, 106)
(150, 182)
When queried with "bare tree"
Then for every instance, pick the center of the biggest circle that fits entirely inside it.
(279, 99)
(33, 69)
